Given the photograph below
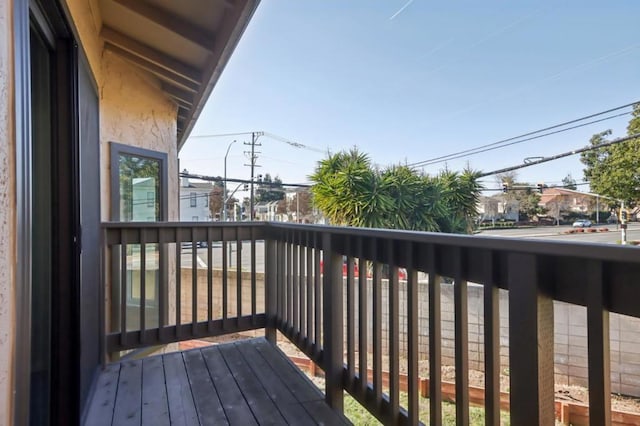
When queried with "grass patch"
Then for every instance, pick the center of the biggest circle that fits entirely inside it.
(361, 417)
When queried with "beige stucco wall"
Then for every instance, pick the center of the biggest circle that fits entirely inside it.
(133, 109)
(7, 213)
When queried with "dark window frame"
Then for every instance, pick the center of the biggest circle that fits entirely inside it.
(117, 149)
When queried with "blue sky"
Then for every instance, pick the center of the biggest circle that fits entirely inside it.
(437, 78)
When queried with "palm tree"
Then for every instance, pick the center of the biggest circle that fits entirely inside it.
(349, 191)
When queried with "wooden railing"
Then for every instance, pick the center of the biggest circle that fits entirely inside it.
(336, 293)
(154, 300)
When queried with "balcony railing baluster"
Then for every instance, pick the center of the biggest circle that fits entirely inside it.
(435, 340)
(461, 340)
(377, 327)
(491, 341)
(351, 321)
(194, 282)
(253, 277)
(394, 335)
(225, 277)
(598, 343)
(530, 342)
(363, 323)
(317, 296)
(295, 289)
(209, 281)
(412, 334)
(143, 284)
(238, 277)
(123, 288)
(178, 295)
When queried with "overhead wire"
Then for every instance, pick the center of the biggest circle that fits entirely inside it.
(562, 155)
(516, 139)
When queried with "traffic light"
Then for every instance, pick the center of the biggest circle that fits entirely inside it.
(505, 187)
(623, 215)
(540, 186)
(246, 186)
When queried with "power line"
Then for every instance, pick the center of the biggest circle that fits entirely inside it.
(268, 134)
(293, 143)
(528, 139)
(558, 156)
(221, 179)
(524, 135)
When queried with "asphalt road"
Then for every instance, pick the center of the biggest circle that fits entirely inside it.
(232, 260)
(613, 236)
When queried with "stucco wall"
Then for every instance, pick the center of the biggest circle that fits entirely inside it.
(133, 109)
(7, 213)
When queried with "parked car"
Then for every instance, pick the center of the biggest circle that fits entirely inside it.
(582, 223)
(402, 272)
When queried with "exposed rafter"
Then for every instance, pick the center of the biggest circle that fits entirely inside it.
(182, 96)
(151, 55)
(183, 113)
(159, 71)
(171, 22)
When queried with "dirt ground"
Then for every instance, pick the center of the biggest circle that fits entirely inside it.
(574, 394)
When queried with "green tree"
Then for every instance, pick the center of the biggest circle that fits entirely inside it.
(569, 182)
(528, 200)
(614, 171)
(270, 189)
(350, 191)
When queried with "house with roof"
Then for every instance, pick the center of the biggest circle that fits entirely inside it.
(568, 200)
(194, 200)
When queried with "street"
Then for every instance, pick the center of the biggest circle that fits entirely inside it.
(556, 233)
(216, 250)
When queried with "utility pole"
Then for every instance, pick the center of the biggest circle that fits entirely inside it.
(623, 223)
(253, 156)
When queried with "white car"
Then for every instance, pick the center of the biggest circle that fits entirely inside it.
(582, 223)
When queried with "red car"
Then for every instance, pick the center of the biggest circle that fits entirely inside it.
(402, 273)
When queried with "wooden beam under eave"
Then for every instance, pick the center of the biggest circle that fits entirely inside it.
(150, 54)
(153, 68)
(183, 113)
(173, 23)
(180, 95)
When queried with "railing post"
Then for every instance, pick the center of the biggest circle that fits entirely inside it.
(530, 342)
(598, 344)
(332, 293)
(271, 289)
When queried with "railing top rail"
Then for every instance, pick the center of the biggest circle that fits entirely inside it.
(595, 251)
(176, 224)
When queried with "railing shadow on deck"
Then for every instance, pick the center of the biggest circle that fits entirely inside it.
(336, 294)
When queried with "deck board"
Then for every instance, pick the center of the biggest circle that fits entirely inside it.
(208, 404)
(182, 409)
(262, 407)
(275, 388)
(235, 406)
(155, 408)
(129, 397)
(103, 402)
(247, 382)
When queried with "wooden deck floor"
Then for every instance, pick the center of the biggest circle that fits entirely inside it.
(247, 382)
